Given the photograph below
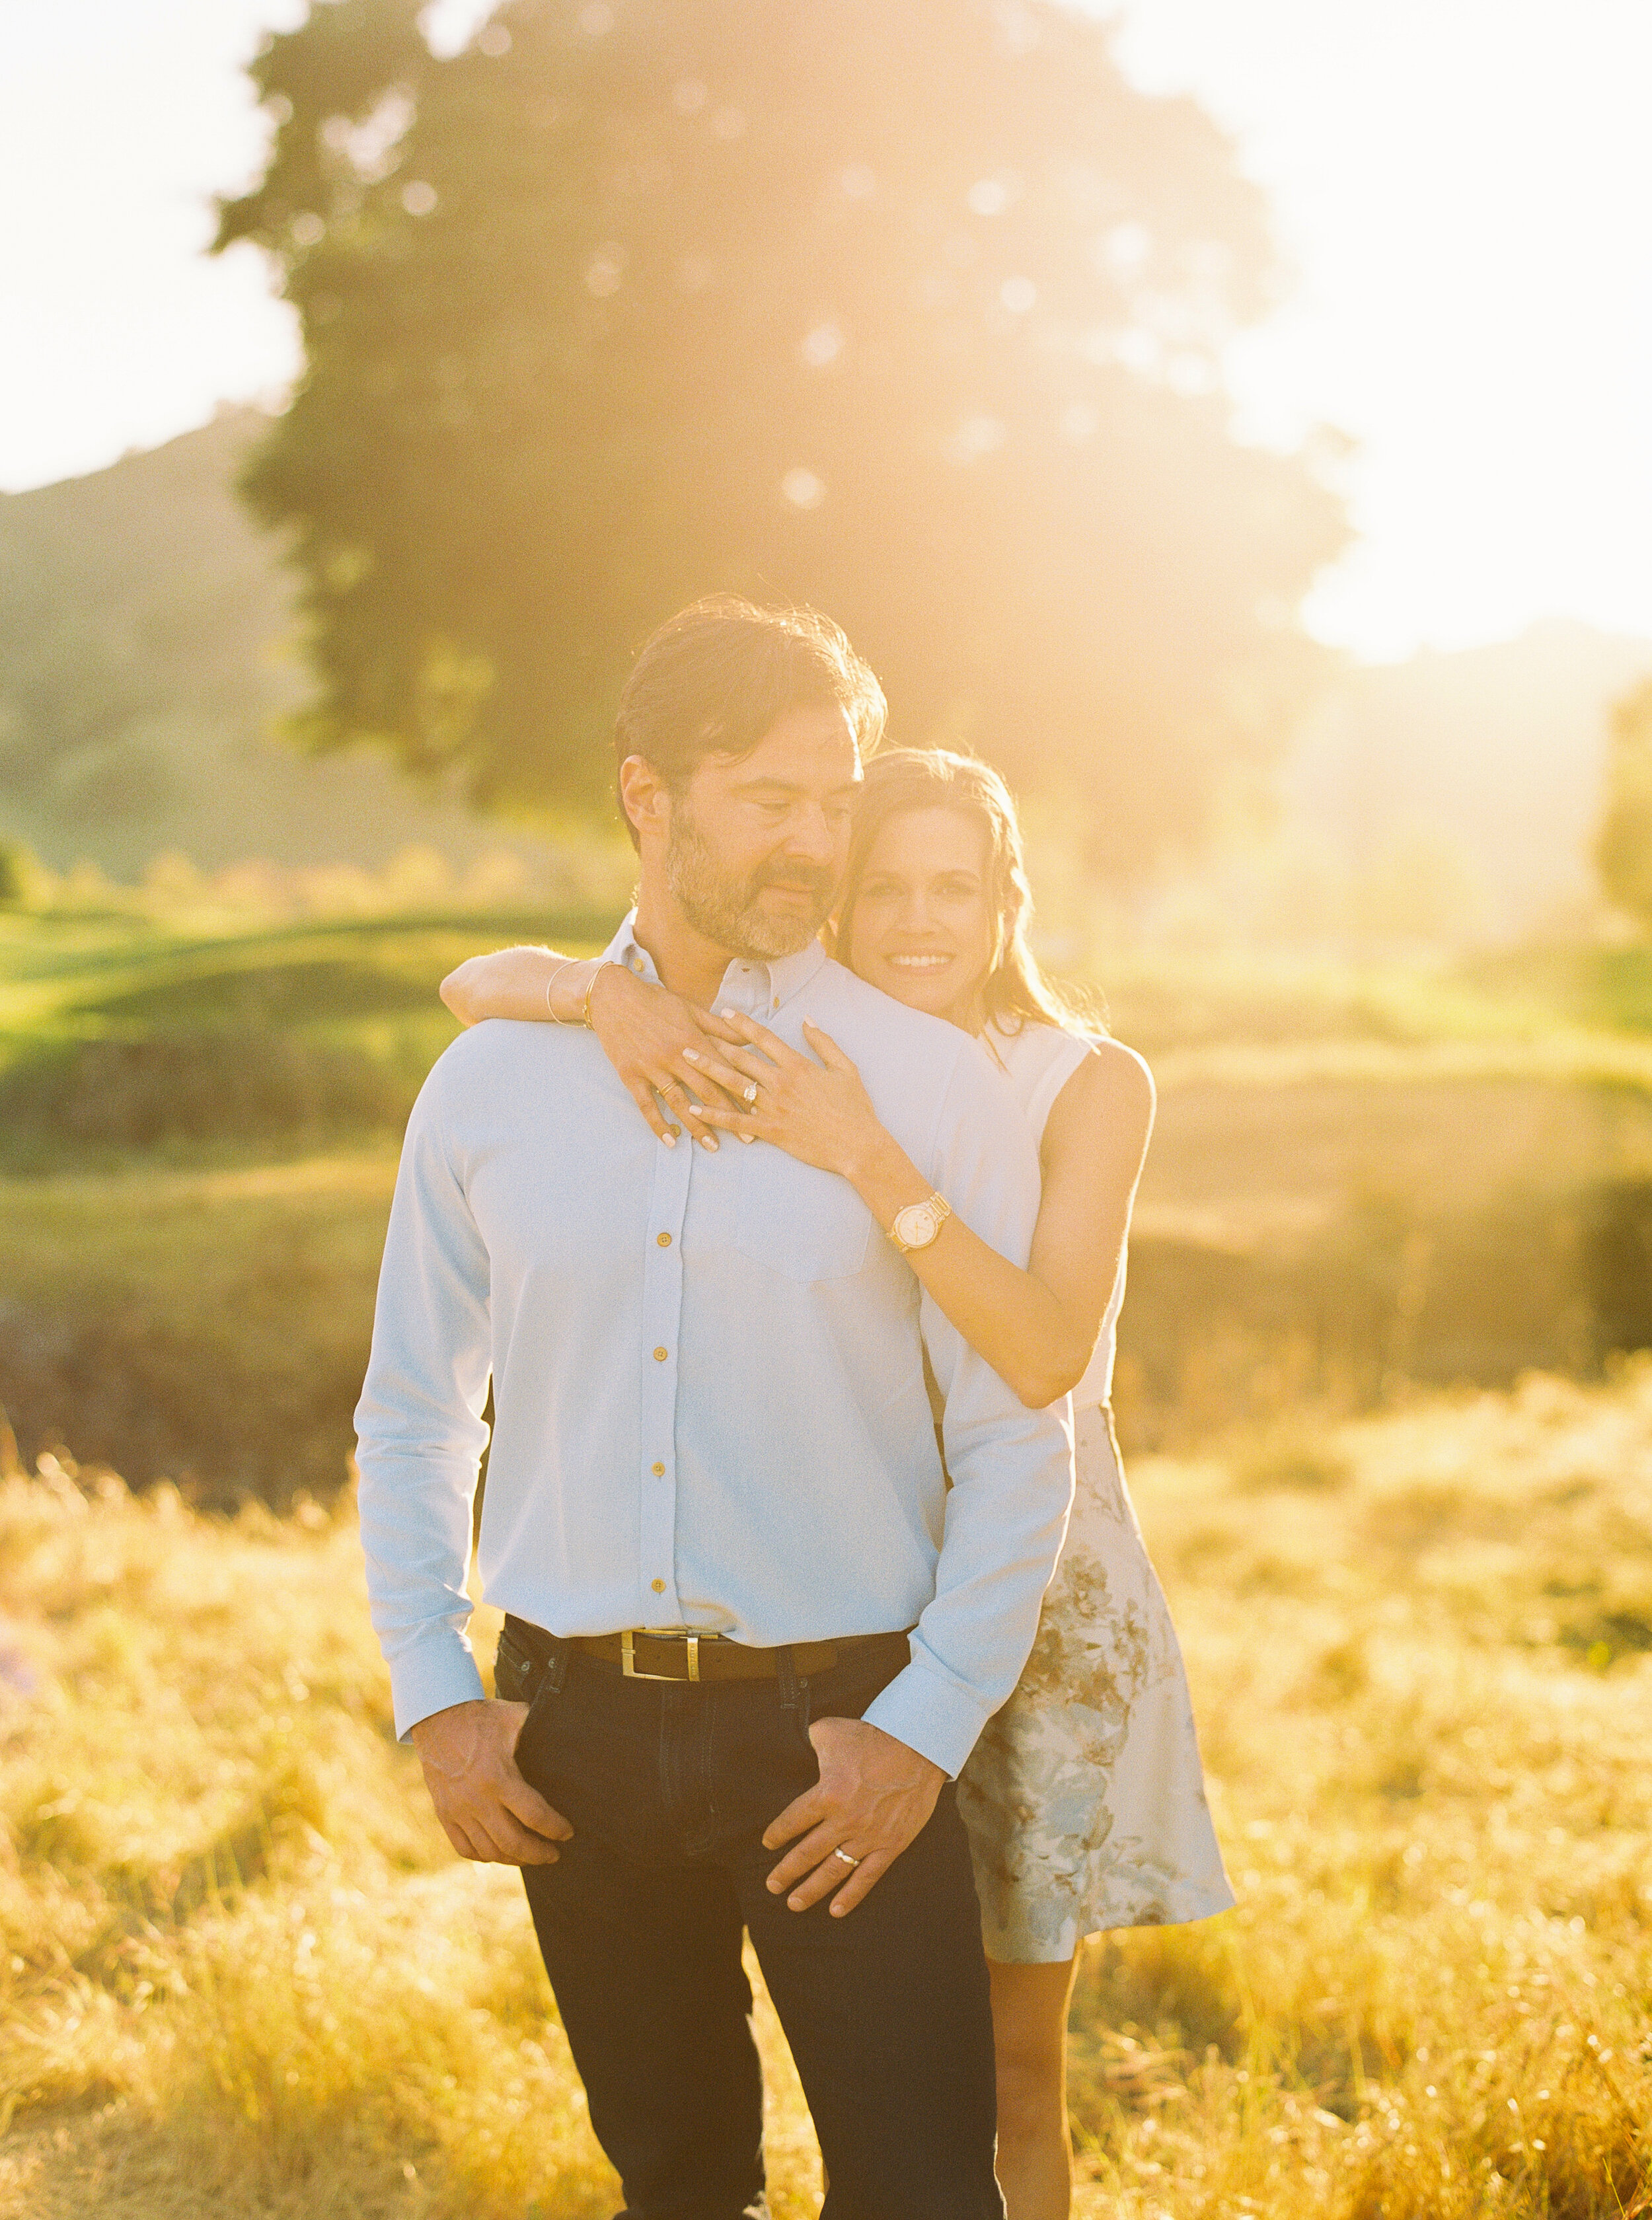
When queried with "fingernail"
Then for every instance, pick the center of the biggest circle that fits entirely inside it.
(690, 1055)
(793, 1904)
(729, 1016)
(670, 1139)
(748, 1138)
(708, 1141)
(838, 1910)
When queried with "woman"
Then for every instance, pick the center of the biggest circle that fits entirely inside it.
(1084, 1797)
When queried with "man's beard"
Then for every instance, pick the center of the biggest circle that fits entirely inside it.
(726, 910)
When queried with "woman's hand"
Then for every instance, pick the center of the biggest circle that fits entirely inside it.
(818, 1113)
(666, 1050)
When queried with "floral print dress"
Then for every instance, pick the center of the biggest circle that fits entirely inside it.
(1085, 1797)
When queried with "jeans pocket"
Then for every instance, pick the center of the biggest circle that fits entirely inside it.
(515, 1673)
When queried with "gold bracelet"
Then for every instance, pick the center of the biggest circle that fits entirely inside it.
(606, 963)
(551, 983)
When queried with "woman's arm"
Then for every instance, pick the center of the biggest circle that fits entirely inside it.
(662, 1048)
(1036, 1328)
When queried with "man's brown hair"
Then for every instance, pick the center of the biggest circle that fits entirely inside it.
(721, 673)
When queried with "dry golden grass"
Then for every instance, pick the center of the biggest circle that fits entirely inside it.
(241, 1975)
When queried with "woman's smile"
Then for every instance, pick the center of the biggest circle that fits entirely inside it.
(926, 876)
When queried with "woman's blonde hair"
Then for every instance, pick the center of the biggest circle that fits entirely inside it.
(1015, 991)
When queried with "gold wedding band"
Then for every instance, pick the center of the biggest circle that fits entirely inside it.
(843, 1855)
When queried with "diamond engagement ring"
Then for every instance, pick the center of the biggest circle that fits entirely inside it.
(845, 1855)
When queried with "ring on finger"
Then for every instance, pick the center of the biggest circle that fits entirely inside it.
(751, 1092)
(841, 1853)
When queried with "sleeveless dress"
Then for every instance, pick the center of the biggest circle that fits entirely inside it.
(1085, 1798)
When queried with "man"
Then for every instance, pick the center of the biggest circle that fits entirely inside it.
(744, 1610)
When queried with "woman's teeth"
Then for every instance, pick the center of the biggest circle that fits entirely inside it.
(920, 963)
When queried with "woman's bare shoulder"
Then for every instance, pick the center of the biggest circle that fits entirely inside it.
(1112, 1088)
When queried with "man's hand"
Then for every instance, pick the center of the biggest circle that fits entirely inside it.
(486, 1810)
(874, 1797)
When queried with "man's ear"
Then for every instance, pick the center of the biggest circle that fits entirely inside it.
(644, 793)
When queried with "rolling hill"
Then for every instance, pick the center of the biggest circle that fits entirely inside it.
(148, 647)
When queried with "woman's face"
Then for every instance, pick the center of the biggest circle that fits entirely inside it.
(924, 928)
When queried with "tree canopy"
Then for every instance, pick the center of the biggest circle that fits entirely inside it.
(911, 309)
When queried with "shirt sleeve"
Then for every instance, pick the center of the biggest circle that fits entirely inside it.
(419, 1426)
(1011, 1468)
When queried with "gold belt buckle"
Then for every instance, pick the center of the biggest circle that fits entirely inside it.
(628, 1657)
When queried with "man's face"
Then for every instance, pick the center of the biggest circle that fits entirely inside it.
(756, 845)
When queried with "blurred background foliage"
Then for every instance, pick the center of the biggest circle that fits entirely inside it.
(909, 308)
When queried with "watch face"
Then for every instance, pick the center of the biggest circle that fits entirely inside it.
(916, 1225)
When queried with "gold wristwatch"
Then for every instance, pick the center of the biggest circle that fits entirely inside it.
(916, 1226)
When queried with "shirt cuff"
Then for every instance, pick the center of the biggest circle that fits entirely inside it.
(937, 1718)
(432, 1677)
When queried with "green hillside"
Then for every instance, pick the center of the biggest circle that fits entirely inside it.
(147, 648)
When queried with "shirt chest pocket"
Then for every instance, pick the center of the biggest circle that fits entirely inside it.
(804, 1224)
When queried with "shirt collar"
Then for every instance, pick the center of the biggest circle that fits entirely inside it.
(758, 986)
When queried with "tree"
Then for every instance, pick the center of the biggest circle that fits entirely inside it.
(1623, 844)
(909, 308)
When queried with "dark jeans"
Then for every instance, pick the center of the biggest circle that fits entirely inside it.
(669, 1787)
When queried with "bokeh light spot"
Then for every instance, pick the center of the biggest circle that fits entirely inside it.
(308, 230)
(418, 198)
(494, 41)
(688, 96)
(606, 269)
(1138, 351)
(975, 437)
(823, 346)
(596, 18)
(988, 196)
(1018, 294)
(1124, 251)
(803, 488)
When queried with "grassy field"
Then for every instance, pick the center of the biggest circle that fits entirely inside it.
(1360, 1175)
(241, 1973)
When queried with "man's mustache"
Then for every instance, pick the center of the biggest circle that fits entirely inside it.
(805, 875)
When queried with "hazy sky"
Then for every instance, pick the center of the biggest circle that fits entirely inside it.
(1463, 186)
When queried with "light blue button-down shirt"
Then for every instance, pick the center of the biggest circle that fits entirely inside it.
(709, 1406)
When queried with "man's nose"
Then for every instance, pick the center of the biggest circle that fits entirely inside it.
(814, 837)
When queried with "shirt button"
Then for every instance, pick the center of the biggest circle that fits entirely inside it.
(660, 1355)
(664, 1239)
(636, 965)
(658, 1587)
(657, 1470)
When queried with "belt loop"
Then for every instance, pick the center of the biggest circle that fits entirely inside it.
(791, 1695)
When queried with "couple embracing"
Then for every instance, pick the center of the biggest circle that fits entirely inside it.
(782, 1266)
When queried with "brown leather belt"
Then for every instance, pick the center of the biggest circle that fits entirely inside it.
(642, 1656)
